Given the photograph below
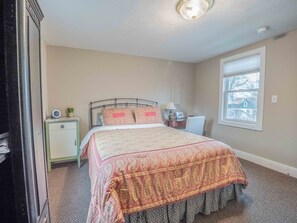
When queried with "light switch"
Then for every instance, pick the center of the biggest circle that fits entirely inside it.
(274, 99)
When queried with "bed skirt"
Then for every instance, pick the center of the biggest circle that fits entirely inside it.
(205, 203)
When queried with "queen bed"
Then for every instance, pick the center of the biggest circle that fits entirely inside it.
(142, 171)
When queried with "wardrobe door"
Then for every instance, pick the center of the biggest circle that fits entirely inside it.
(32, 115)
(21, 23)
(36, 112)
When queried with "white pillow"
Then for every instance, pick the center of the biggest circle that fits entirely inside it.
(99, 120)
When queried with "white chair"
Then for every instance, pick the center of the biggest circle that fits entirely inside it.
(195, 125)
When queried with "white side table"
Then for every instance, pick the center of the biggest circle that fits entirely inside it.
(62, 140)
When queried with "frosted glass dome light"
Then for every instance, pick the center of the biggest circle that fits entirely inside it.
(193, 9)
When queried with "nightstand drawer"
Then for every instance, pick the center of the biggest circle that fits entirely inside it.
(177, 124)
(62, 125)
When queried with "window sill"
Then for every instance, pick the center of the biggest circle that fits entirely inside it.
(256, 127)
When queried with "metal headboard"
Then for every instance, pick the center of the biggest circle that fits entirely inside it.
(96, 107)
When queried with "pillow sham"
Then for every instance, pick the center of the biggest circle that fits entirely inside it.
(117, 116)
(147, 115)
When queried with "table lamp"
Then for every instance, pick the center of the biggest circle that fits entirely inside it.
(170, 106)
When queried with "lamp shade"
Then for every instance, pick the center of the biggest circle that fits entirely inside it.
(170, 106)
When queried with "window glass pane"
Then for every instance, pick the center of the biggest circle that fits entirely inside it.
(242, 82)
(241, 106)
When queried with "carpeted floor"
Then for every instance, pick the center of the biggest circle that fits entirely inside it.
(270, 197)
(69, 193)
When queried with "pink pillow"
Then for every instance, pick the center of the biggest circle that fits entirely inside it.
(118, 116)
(147, 115)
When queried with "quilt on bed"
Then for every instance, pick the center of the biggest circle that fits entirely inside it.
(136, 169)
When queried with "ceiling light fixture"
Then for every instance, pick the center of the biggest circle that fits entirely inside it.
(193, 9)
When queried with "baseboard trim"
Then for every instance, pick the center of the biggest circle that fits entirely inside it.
(279, 167)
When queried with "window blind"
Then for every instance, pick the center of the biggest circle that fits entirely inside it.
(242, 65)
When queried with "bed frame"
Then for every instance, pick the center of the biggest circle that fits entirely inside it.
(96, 107)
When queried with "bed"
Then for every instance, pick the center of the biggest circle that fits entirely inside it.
(150, 173)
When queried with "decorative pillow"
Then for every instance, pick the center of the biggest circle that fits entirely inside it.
(118, 116)
(147, 115)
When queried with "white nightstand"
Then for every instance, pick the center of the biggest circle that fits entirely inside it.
(62, 140)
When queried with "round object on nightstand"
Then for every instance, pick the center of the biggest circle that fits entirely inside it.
(56, 113)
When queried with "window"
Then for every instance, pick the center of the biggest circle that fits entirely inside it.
(242, 90)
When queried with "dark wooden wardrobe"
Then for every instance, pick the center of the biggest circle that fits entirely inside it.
(23, 178)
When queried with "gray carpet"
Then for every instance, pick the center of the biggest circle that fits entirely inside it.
(69, 193)
(270, 197)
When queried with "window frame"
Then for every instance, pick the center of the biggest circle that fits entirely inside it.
(258, 125)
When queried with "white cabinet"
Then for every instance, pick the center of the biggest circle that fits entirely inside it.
(62, 140)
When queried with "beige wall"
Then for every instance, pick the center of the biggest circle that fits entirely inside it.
(75, 77)
(278, 140)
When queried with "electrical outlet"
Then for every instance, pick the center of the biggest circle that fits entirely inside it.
(274, 99)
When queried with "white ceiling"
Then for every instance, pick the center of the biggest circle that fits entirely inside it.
(152, 28)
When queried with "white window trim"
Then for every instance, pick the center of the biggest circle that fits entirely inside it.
(254, 126)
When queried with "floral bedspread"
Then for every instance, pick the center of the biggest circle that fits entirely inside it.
(136, 169)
